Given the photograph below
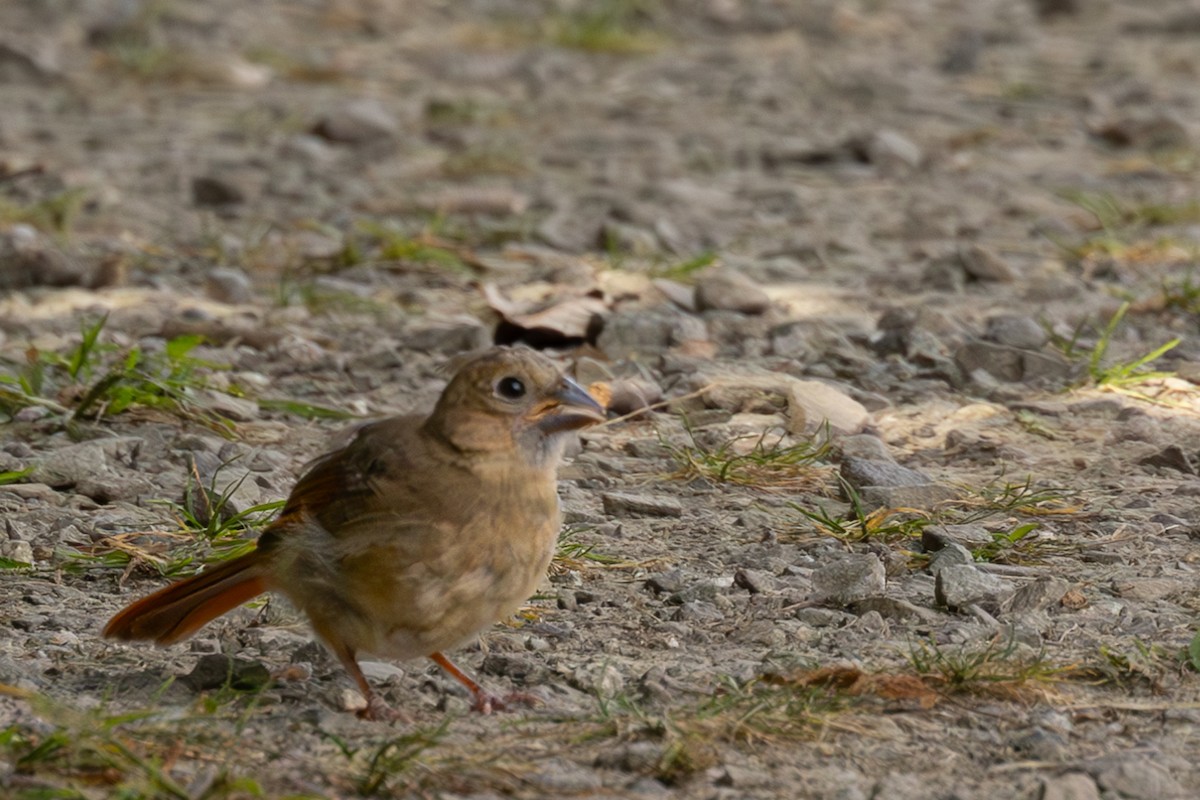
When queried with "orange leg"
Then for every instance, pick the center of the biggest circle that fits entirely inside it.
(376, 708)
(482, 700)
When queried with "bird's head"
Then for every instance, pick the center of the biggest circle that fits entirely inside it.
(505, 398)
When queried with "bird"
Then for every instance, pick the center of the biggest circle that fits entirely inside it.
(413, 538)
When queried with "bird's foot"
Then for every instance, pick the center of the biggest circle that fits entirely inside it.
(377, 709)
(485, 702)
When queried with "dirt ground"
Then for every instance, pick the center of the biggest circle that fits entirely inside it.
(965, 234)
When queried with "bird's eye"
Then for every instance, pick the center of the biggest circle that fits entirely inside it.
(510, 388)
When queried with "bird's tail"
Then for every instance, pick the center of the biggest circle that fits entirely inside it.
(179, 610)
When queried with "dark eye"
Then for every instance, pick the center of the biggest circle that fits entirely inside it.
(510, 388)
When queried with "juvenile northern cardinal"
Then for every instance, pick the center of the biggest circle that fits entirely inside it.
(417, 535)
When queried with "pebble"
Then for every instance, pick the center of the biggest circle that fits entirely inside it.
(970, 536)
(627, 504)
(814, 404)
(1071, 786)
(862, 472)
(952, 554)
(30, 258)
(893, 152)
(1149, 130)
(986, 265)
(358, 122)
(229, 285)
(216, 670)
(1037, 595)
(849, 578)
(726, 290)
(213, 191)
(1016, 330)
(960, 586)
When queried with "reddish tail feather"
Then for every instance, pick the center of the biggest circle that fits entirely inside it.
(181, 609)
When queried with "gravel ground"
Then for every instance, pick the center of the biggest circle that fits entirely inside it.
(911, 516)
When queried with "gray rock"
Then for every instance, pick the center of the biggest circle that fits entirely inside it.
(1037, 595)
(865, 446)
(625, 504)
(216, 191)
(935, 537)
(953, 554)
(985, 265)
(814, 404)
(924, 496)
(1016, 330)
(229, 285)
(633, 394)
(851, 577)
(16, 550)
(727, 290)
(30, 258)
(862, 472)
(893, 152)
(1011, 364)
(67, 466)
(960, 586)
(1170, 457)
(446, 335)
(894, 608)
(1138, 778)
(1149, 129)
(635, 335)
(1071, 786)
(216, 670)
(358, 122)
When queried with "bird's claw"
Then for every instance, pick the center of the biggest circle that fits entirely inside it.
(486, 702)
(380, 711)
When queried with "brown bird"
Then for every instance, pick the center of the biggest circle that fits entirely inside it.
(416, 536)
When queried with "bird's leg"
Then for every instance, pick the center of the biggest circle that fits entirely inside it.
(482, 700)
(376, 708)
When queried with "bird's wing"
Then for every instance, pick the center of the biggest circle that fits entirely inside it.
(382, 471)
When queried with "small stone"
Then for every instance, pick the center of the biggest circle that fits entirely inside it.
(446, 335)
(861, 472)
(960, 586)
(379, 672)
(1037, 595)
(1011, 364)
(1071, 786)
(1138, 778)
(635, 335)
(1146, 590)
(216, 191)
(953, 554)
(752, 580)
(681, 294)
(666, 582)
(925, 496)
(1016, 330)
(229, 285)
(893, 152)
(985, 265)
(16, 550)
(894, 608)
(935, 537)
(1149, 130)
(625, 504)
(851, 577)
(1170, 457)
(727, 290)
(30, 258)
(358, 122)
(814, 404)
(633, 394)
(216, 670)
